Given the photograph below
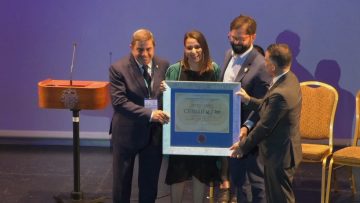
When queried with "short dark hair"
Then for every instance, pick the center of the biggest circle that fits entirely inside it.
(243, 20)
(280, 55)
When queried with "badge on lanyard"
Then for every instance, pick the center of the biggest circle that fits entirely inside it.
(151, 104)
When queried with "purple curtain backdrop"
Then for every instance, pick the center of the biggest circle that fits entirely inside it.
(36, 43)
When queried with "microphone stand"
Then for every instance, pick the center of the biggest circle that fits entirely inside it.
(72, 62)
(76, 195)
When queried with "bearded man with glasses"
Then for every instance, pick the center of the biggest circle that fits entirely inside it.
(243, 63)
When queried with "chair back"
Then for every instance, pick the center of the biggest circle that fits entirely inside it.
(357, 120)
(318, 110)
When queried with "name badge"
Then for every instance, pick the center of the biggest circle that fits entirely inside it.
(151, 104)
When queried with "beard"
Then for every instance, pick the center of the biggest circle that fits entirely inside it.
(239, 48)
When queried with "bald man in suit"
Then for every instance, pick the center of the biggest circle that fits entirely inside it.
(138, 118)
(276, 131)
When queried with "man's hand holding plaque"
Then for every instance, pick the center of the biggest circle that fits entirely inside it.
(236, 148)
(160, 116)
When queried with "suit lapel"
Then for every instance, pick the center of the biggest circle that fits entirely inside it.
(245, 66)
(155, 77)
(136, 73)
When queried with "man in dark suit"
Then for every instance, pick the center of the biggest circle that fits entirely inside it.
(243, 63)
(138, 118)
(277, 129)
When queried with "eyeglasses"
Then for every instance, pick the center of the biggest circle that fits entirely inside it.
(241, 38)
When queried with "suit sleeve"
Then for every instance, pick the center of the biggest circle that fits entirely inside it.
(253, 118)
(274, 110)
(119, 98)
(254, 103)
(262, 82)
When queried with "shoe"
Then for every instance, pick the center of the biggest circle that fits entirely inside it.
(223, 196)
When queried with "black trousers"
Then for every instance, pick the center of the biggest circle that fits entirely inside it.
(278, 184)
(247, 176)
(150, 159)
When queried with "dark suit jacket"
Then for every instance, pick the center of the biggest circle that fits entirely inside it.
(277, 130)
(131, 121)
(255, 81)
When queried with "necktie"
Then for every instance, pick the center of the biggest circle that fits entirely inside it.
(147, 77)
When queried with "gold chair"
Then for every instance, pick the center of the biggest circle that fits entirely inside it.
(348, 156)
(316, 124)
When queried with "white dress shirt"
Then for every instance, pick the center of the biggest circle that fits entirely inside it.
(234, 66)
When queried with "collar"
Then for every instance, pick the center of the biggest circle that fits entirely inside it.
(278, 77)
(141, 65)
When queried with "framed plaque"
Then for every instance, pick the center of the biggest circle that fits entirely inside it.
(204, 118)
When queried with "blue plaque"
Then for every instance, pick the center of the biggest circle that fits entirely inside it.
(204, 118)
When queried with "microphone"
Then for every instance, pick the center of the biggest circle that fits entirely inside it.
(72, 62)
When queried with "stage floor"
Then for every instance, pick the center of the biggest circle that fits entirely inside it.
(35, 174)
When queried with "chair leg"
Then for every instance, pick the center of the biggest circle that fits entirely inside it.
(353, 185)
(329, 181)
(323, 179)
(211, 190)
